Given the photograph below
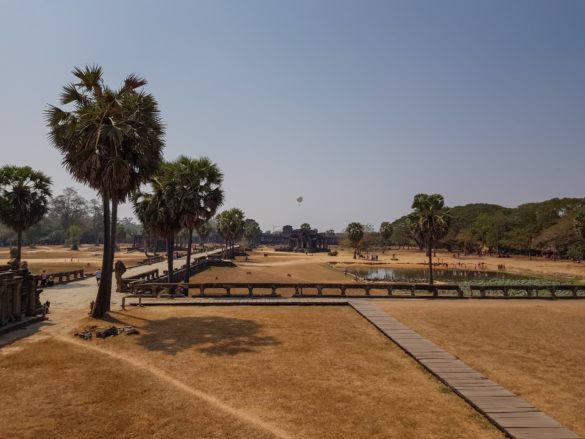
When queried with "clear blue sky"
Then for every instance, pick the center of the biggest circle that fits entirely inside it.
(355, 105)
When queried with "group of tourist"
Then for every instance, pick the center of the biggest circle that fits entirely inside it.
(47, 280)
(368, 257)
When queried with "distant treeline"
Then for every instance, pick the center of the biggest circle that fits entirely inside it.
(546, 228)
(71, 220)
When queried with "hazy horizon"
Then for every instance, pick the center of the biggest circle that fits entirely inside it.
(356, 106)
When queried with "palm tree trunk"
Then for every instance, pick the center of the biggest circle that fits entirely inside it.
(100, 305)
(188, 263)
(18, 247)
(112, 238)
(430, 249)
(170, 264)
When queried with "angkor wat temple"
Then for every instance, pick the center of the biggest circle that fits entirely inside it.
(300, 240)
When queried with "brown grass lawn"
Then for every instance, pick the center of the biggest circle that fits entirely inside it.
(229, 372)
(279, 268)
(535, 348)
(57, 258)
(274, 269)
(65, 391)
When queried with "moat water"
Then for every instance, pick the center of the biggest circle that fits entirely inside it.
(422, 275)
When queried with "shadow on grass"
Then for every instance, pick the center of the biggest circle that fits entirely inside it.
(215, 336)
(25, 331)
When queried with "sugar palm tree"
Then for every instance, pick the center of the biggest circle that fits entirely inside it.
(355, 234)
(198, 189)
(159, 212)
(111, 140)
(305, 227)
(230, 225)
(429, 223)
(24, 199)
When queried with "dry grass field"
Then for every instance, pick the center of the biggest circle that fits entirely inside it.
(228, 372)
(56, 258)
(534, 348)
(301, 267)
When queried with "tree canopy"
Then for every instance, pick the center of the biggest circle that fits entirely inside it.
(24, 199)
(547, 227)
(230, 225)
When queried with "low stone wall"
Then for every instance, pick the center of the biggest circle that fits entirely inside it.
(142, 277)
(62, 277)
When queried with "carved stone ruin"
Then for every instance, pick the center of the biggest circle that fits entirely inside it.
(19, 297)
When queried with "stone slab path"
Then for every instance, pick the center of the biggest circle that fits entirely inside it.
(79, 294)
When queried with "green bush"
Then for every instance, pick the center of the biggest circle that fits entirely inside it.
(576, 252)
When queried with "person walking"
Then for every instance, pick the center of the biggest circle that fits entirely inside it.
(98, 275)
(43, 278)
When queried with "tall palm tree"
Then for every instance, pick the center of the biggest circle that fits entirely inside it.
(230, 225)
(198, 188)
(159, 212)
(111, 140)
(429, 222)
(355, 234)
(24, 199)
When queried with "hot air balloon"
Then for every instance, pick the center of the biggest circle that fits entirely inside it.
(299, 200)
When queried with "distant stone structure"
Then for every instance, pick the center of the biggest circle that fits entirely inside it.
(310, 240)
(304, 240)
(300, 240)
